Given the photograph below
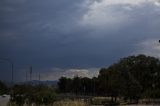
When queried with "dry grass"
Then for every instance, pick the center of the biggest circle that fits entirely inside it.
(100, 100)
(70, 103)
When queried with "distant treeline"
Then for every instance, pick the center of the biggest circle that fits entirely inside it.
(131, 78)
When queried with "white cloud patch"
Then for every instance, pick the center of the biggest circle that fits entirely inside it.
(81, 72)
(113, 13)
(56, 73)
(149, 47)
(157, 2)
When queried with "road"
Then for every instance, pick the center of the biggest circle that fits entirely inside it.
(4, 100)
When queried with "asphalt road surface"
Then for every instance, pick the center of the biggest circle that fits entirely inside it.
(4, 100)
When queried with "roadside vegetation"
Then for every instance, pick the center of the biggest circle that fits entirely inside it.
(127, 81)
(33, 94)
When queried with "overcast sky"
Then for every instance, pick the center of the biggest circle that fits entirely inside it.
(74, 37)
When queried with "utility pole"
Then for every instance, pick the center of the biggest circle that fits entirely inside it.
(30, 74)
(26, 77)
(12, 73)
(94, 86)
(11, 65)
(39, 78)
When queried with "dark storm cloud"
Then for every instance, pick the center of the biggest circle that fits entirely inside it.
(47, 34)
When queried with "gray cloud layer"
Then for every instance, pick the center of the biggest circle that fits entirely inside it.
(75, 34)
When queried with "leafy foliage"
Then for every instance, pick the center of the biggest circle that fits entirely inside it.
(132, 77)
(33, 94)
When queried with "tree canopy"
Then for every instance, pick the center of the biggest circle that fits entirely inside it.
(132, 77)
